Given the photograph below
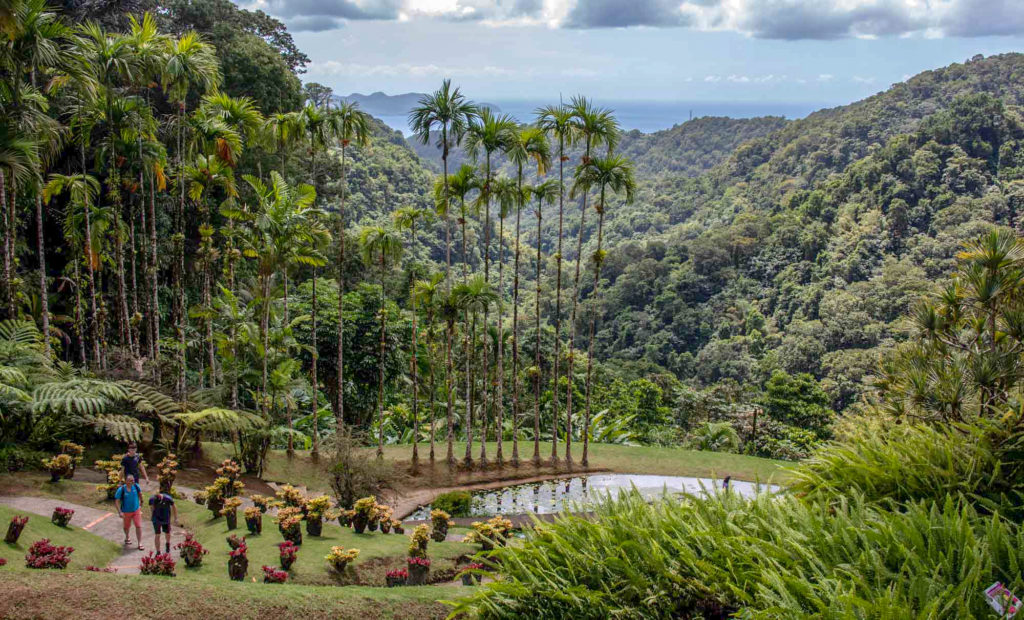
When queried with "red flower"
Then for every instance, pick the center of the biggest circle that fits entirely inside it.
(273, 575)
(419, 561)
(42, 554)
(398, 572)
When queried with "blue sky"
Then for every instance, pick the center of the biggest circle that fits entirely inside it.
(712, 50)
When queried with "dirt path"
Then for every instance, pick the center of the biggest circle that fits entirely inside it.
(103, 524)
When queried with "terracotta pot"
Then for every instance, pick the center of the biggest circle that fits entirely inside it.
(314, 528)
(359, 524)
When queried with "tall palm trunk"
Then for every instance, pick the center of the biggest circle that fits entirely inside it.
(154, 267)
(558, 307)
(572, 326)
(339, 409)
(7, 226)
(265, 335)
(499, 398)
(536, 360)
(515, 328)
(79, 326)
(470, 393)
(487, 278)
(316, 384)
(433, 386)
(182, 318)
(93, 326)
(449, 367)
(593, 322)
(380, 376)
(10, 224)
(415, 379)
(44, 295)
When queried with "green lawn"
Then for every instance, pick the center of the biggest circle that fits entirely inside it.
(89, 549)
(377, 552)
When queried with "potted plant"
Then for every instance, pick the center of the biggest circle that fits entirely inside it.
(419, 569)
(397, 527)
(235, 542)
(315, 510)
(167, 472)
(345, 517)
(230, 511)
(58, 465)
(493, 533)
(289, 522)
(238, 563)
(363, 508)
(254, 520)
(290, 496)
(384, 517)
(272, 575)
(42, 554)
(191, 551)
(289, 552)
(61, 516)
(339, 558)
(440, 521)
(373, 519)
(418, 544)
(74, 451)
(260, 501)
(199, 497)
(14, 529)
(157, 564)
(397, 577)
(471, 574)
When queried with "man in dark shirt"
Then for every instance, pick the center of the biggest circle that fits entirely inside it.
(163, 508)
(132, 464)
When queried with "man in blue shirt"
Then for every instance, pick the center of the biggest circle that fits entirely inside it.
(128, 501)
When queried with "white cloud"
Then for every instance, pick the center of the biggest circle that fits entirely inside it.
(863, 80)
(337, 68)
(825, 77)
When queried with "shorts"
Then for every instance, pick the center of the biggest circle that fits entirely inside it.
(164, 526)
(130, 517)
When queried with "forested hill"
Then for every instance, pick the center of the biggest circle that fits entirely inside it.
(801, 250)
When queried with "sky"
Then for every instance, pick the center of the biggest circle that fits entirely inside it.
(821, 51)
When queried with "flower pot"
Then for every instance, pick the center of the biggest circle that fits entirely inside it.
(294, 535)
(255, 525)
(399, 529)
(13, 532)
(70, 473)
(344, 520)
(111, 492)
(418, 574)
(232, 519)
(385, 528)
(314, 528)
(263, 508)
(396, 581)
(486, 544)
(359, 524)
(60, 520)
(193, 560)
(237, 567)
(470, 580)
(439, 534)
(215, 505)
(339, 567)
(372, 525)
(54, 476)
(286, 562)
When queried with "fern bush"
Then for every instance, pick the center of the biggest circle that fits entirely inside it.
(770, 557)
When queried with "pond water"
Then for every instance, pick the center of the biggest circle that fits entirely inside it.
(552, 496)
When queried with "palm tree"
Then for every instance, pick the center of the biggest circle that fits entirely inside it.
(613, 173)
(529, 144)
(446, 190)
(379, 245)
(446, 111)
(36, 48)
(426, 294)
(354, 128)
(557, 121)
(448, 309)
(544, 193)
(594, 126)
(475, 296)
(489, 134)
(187, 64)
(406, 219)
(507, 195)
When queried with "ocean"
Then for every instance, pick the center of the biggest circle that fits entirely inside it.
(650, 116)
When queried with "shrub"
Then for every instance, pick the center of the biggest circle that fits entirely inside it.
(290, 496)
(439, 524)
(771, 556)
(235, 542)
(273, 575)
(42, 554)
(317, 506)
(61, 516)
(355, 473)
(339, 557)
(419, 541)
(397, 573)
(17, 458)
(191, 551)
(455, 503)
(260, 501)
(14, 528)
(60, 465)
(493, 533)
(289, 523)
(289, 552)
(167, 472)
(3, 562)
(157, 564)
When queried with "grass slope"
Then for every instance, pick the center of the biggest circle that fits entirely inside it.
(89, 548)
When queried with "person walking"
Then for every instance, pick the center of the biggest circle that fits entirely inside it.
(132, 464)
(128, 501)
(162, 508)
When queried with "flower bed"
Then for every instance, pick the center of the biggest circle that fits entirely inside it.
(42, 554)
(61, 516)
(157, 564)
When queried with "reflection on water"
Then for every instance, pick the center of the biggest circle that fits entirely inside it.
(554, 495)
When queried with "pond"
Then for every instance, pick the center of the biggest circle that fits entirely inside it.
(552, 496)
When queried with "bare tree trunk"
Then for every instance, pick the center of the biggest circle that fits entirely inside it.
(572, 328)
(433, 385)
(515, 332)
(487, 278)
(500, 397)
